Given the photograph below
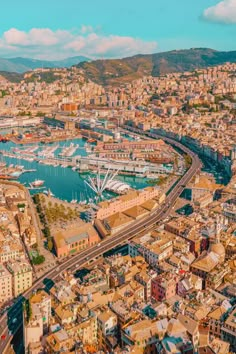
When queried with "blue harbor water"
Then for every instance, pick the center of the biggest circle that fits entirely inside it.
(64, 183)
(67, 184)
(210, 166)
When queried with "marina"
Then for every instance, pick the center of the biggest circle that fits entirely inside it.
(48, 162)
(69, 150)
(64, 183)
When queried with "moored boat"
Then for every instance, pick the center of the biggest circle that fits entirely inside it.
(37, 183)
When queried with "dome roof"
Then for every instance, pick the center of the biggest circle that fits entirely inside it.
(217, 248)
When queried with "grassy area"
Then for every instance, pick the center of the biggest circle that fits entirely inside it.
(58, 212)
(48, 77)
(52, 214)
(159, 181)
(187, 160)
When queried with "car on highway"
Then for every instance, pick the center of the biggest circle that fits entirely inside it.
(3, 336)
(171, 199)
(165, 220)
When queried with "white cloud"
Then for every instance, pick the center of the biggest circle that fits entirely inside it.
(36, 36)
(14, 37)
(86, 29)
(47, 44)
(223, 12)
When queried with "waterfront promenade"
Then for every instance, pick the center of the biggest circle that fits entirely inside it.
(92, 253)
(44, 139)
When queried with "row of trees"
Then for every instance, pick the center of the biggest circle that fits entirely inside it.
(58, 212)
(43, 219)
(187, 160)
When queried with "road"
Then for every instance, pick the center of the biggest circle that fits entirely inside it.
(77, 261)
(35, 218)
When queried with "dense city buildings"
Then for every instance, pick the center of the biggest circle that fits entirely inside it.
(16, 220)
(170, 287)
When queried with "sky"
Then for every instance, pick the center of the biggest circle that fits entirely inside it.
(57, 29)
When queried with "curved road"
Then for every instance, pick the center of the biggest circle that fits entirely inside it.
(77, 261)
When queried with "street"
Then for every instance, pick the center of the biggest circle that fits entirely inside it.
(77, 261)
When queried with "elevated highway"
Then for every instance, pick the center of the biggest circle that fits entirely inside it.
(79, 260)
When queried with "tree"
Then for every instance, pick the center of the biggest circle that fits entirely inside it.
(50, 244)
(187, 160)
(36, 198)
(21, 205)
(38, 259)
(43, 198)
(40, 114)
(47, 232)
(28, 310)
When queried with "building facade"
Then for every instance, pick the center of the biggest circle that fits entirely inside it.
(21, 276)
(5, 284)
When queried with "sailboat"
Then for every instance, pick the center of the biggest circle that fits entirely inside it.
(73, 201)
(48, 193)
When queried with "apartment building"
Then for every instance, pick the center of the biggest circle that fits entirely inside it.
(144, 335)
(164, 287)
(154, 247)
(107, 330)
(21, 272)
(36, 318)
(228, 329)
(11, 250)
(5, 284)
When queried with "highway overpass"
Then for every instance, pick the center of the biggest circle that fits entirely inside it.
(80, 259)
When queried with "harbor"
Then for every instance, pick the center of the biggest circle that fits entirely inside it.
(81, 156)
(13, 171)
(64, 183)
(71, 164)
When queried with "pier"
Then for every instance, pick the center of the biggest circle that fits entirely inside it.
(93, 163)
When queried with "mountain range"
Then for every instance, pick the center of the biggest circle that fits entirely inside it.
(118, 71)
(21, 65)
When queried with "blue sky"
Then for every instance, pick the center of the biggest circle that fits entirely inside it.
(54, 29)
